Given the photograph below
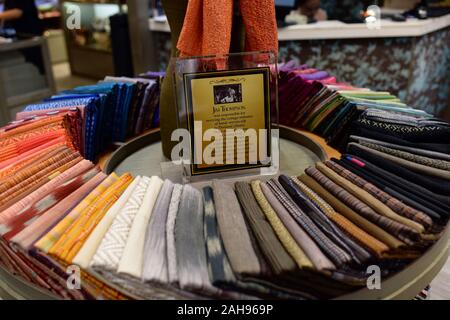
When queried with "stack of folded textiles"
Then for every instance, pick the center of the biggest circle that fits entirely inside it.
(313, 236)
(314, 100)
(305, 237)
(111, 111)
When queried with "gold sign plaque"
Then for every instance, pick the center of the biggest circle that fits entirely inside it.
(221, 105)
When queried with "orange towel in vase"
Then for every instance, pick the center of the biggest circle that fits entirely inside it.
(208, 24)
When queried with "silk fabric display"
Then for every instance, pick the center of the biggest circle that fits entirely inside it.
(359, 254)
(108, 254)
(390, 201)
(19, 222)
(347, 226)
(48, 243)
(71, 240)
(86, 253)
(399, 185)
(400, 231)
(131, 262)
(155, 267)
(33, 232)
(190, 243)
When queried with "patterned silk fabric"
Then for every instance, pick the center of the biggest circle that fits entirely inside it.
(84, 256)
(71, 240)
(402, 232)
(47, 242)
(335, 253)
(36, 230)
(28, 201)
(18, 223)
(109, 253)
(367, 240)
(390, 201)
(283, 234)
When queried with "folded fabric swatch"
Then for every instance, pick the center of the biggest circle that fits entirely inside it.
(359, 220)
(404, 233)
(277, 257)
(25, 203)
(433, 204)
(332, 250)
(33, 172)
(89, 220)
(110, 250)
(320, 261)
(283, 234)
(396, 205)
(155, 250)
(76, 234)
(12, 165)
(172, 271)
(87, 251)
(327, 225)
(420, 168)
(132, 259)
(346, 225)
(234, 231)
(32, 233)
(389, 188)
(19, 192)
(190, 242)
(220, 271)
(426, 161)
(49, 242)
(374, 203)
(422, 152)
(19, 223)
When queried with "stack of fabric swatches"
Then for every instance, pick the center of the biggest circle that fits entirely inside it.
(110, 111)
(318, 102)
(311, 236)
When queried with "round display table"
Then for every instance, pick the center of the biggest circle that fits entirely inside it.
(298, 150)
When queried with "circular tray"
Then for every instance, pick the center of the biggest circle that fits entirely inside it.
(143, 156)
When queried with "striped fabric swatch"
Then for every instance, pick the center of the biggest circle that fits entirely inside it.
(37, 229)
(19, 223)
(346, 225)
(155, 250)
(190, 242)
(132, 259)
(20, 147)
(110, 250)
(350, 214)
(27, 202)
(320, 261)
(426, 161)
(23, 190)
(172, 271)
(374, 203)
(84, 256)
(75, 236)
(395, 205)
(328, 227)
(48, 243)
(12, 165)
(44, 161)
(296, 252)
(334, 252)
(419, 168)
(400, 231)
